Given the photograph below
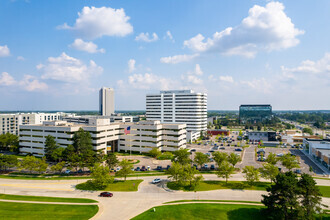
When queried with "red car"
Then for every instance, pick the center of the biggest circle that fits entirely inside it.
(106, 194)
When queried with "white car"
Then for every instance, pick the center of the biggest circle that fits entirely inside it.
(155, 181)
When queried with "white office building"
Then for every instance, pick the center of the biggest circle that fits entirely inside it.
(179, 106)
(106, 136)
(107, 101)
(9, 123)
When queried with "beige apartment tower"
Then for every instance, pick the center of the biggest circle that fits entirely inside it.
(107, 101)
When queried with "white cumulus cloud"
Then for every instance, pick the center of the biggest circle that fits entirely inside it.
(146, 37)
(97, 22)
(89, 47)
(28, 83)
(4, 51)
(6, 79)
(131, 65)
(68, 69)
(265, 29)
(226, 79)
(178, 58)
(149, 81)
(169, 36)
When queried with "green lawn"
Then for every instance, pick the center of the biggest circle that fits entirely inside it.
(206, 211)
(11, 210)
(118, 185)
(214, 185)
(46, 199)
(203, 200)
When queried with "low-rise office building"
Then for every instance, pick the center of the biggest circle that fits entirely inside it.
(319, 149)
(9, 123)
(106, 136)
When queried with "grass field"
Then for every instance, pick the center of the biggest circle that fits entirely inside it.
(214, 185)
(206, 211)
(118, 185)
(11, 210)
(46, 199)
(203, 200)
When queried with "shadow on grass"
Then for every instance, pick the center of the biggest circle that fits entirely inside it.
(246, 214)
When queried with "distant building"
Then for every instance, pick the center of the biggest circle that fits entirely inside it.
(84, 119)
(107, 101)
(179, 106)
(254, 113)
(262, 135)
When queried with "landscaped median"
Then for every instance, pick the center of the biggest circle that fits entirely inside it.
(40, 207)
(194, 211)
(242, 185)
(117, 185)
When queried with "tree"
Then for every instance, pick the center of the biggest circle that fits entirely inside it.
(50, 147)
(187, 174)
(154, 152)
(269, 171)
(8, 140)
(308, 131)
(282, 202)
(58, 154)
(101, 176)
(174, 171)
(310, 196)
(201, 159)
(7, 161)
(251, 174)
(126, 168)
(41, 165)
(234, 159)
(289, 161)
(272, 159)
(82, 143)
(220, 157)
(181, 156)
(111, 160)
(225, 170)
(58, 167)
(28, 163)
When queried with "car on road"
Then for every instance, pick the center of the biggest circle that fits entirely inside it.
(157, 180)
(106, 194)
(238, 149)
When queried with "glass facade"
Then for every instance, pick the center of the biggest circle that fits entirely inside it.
(254, 113)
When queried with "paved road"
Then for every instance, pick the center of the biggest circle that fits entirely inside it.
(125, 205)
(249, 158)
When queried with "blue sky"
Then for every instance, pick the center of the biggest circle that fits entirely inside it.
(56, 54)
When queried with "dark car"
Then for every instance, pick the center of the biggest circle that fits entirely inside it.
(228, 145)
(212, 167)
(238, 149)
(297, 171)
(106, 194)
(222, 148)
(137, 169)
(159, 168)
(211, 151)
(143, 168)
(193, 150)
(168, 167)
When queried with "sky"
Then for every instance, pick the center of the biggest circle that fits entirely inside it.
(57, 54)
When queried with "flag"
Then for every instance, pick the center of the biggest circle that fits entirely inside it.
(127, 130)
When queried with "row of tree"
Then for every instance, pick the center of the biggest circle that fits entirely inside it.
(9, 142)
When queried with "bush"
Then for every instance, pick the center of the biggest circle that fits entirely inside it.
(90, 185)
(165, 156)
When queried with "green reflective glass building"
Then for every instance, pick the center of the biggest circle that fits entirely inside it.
(254, 113)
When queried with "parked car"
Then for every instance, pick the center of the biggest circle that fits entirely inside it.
(199, 143)
(193, 150)
(222, 148)
(148, 168)
(138, 169)
(228, 145)
(106, 194)
(206, 166)
(297, 171)
(168, 167)
(238, 149)
(67, 171)
(212, 167)
(143, 168)
(117, 169)
(159, 168)
(279, 155)
(155, 181)
(211, 151)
